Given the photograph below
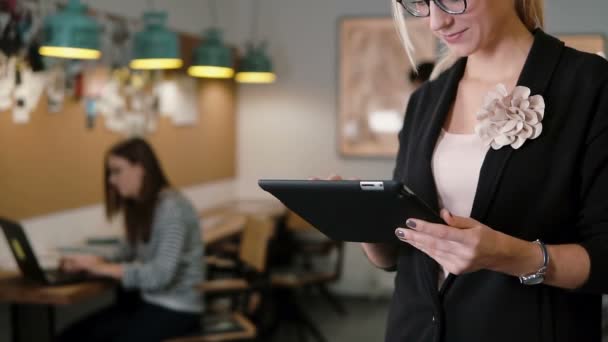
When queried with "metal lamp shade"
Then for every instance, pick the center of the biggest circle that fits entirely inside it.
(156, 47)
(256, 67)
(212, 59)
(71, 34)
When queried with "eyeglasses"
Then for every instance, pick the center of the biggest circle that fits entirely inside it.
(422, 8)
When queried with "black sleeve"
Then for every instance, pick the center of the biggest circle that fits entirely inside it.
(593, 218)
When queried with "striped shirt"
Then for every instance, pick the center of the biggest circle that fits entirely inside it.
(169, 265)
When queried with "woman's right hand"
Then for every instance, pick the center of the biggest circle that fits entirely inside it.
(79, 262)
(333, 177)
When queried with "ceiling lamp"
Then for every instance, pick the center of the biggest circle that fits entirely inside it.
(156, 47)
(256, 66)
(212, 59)
(71, 34)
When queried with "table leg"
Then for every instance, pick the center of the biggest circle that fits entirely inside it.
(14, 322)
(32, 323)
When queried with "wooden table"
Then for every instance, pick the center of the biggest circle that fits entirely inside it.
(257, 207)
(27, 297)
(228, 219)
(222, 227)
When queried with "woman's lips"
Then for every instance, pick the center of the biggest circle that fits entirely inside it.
(453, 37)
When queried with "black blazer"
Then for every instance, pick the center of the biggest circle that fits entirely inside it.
(553, 188)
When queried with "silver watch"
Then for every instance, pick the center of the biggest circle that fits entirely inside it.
(537, 277)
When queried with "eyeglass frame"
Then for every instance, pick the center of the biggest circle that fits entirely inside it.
(439, 5)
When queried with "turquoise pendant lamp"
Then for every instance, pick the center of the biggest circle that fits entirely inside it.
(212, 59)
(71, 34)
(156, 47)
(256, 66)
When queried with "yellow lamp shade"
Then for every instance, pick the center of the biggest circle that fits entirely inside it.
(156, 63)
(69, 52)
(255, 77)
(210, 71)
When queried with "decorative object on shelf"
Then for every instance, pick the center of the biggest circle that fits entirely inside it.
(71, 34)
(212, 59)
(117, 38)
(373, 92)
(56, 89)
(256, 66)
(156, 48)
(7, 81)
(28, 89)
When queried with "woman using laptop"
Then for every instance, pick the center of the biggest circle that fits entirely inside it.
(161, 259)
(510, 137)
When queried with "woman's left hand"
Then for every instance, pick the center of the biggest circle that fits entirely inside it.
(463, 245)
(92, 264)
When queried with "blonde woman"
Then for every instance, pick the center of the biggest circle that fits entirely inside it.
(510, 140)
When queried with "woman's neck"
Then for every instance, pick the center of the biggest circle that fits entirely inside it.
(503, 59)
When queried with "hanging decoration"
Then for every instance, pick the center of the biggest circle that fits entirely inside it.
(130, 101)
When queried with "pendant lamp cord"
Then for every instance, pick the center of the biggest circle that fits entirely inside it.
(254, 22)
(213, 12)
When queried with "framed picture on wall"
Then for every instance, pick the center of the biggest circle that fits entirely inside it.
(592, 43)
(374, 85)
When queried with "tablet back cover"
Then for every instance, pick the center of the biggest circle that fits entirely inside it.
(355, 211)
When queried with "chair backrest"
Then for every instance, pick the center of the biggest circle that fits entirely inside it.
(296, 223)
(254, 241)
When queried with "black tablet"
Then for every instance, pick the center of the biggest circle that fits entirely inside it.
(355, 211)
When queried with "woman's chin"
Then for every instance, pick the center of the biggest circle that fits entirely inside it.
(459, 50)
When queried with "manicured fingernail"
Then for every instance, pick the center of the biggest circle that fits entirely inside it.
(410, 224)
(400, 233)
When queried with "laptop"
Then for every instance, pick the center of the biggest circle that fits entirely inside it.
(27, 261)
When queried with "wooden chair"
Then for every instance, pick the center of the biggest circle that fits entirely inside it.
(235, 324)
(306, 276)
(289, 281)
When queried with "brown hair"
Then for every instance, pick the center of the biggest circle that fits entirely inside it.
(138, 213)
(530, 12)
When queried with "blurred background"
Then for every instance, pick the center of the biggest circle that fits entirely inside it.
(227, 92)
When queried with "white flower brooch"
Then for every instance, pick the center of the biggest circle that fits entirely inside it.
(510, 118)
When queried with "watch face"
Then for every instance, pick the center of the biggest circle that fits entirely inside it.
(534, 279)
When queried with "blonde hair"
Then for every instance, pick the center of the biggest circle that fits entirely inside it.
(530, 12)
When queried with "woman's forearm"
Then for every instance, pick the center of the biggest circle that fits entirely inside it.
(380, 254)
(569, 265)
(110, 270)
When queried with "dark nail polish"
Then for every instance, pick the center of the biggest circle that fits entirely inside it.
(400, 233)
(410, 224)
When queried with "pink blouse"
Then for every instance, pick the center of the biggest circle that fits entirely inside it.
(456, 165)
